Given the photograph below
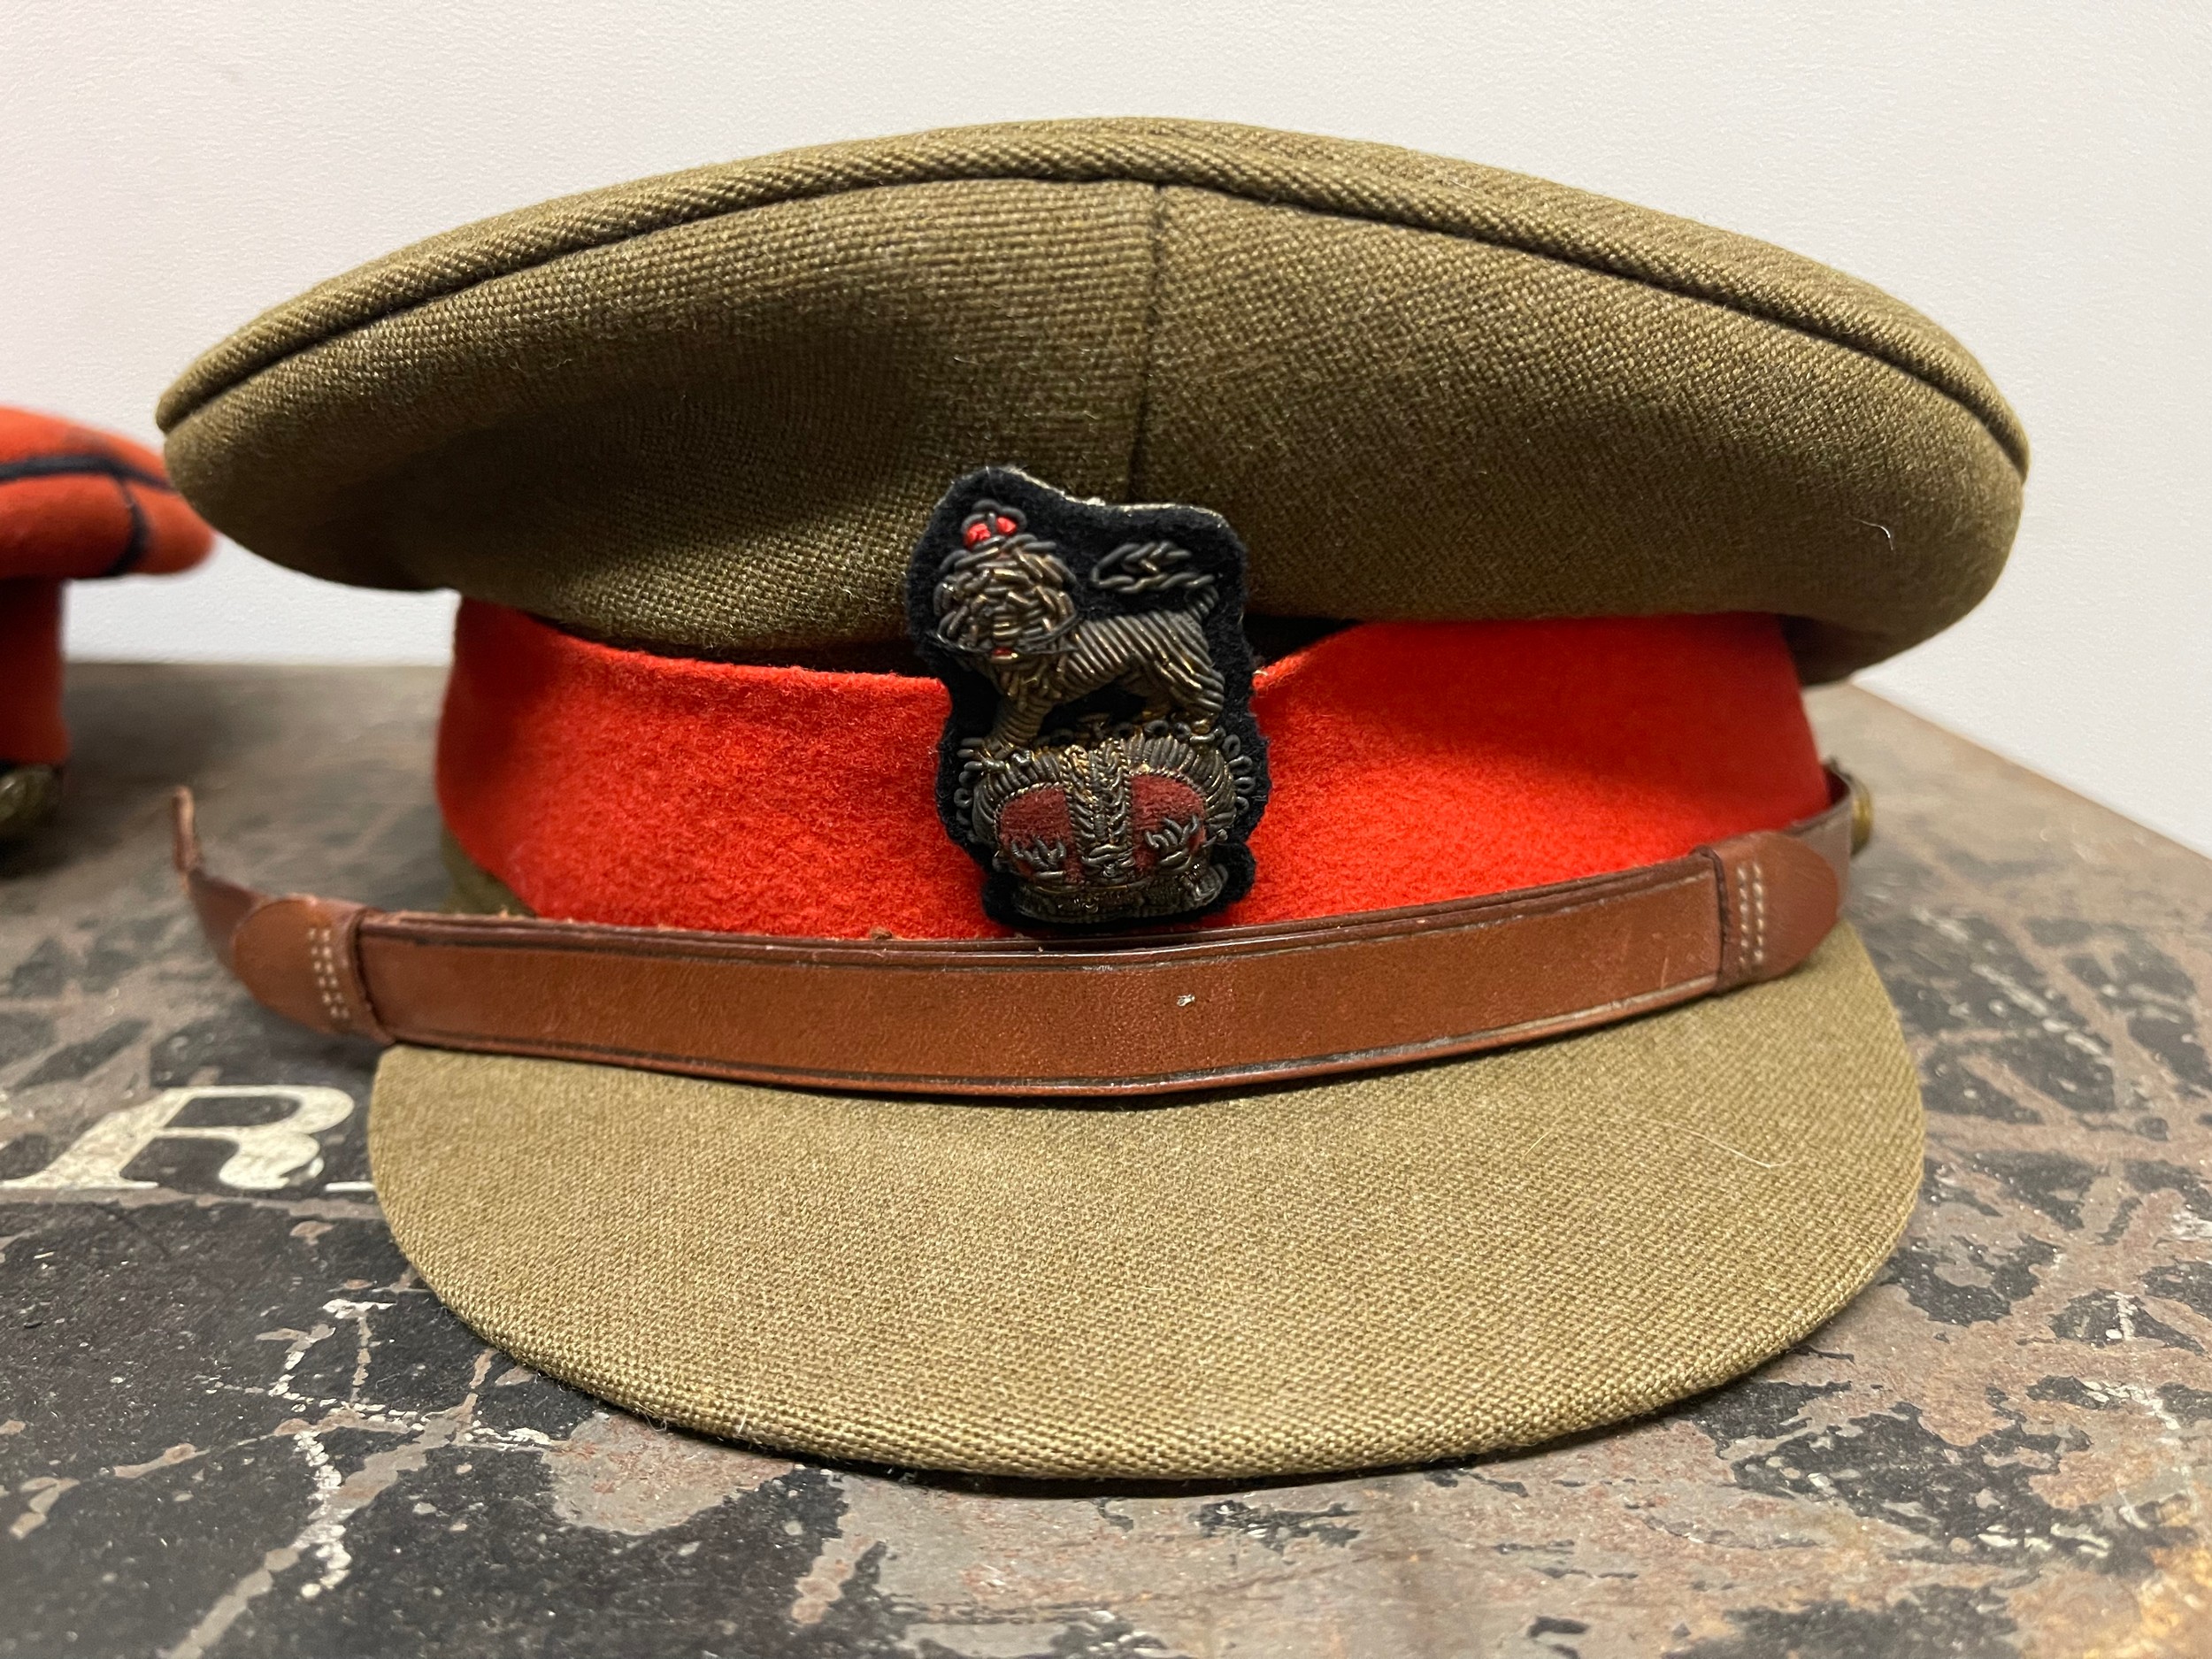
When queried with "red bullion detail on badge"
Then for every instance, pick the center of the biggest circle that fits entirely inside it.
(1412, 762)
(1036, 834)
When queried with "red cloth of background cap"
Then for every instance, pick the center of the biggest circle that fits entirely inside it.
(75, 502)
(1412, 761)
(31, 731)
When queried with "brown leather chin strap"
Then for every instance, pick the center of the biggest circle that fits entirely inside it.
(1143, 1014)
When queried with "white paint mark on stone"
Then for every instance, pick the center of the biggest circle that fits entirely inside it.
(2096, 1543)
(264, 1156)
(43, 1491)
(359, 1312)
(300, 1342)
(337, 1498)
(325, 1532)
(180, 1454)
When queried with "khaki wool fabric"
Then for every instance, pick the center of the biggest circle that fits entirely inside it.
(712, 410)
(1412, 1266)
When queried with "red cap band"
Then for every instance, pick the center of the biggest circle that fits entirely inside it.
(1413, 762)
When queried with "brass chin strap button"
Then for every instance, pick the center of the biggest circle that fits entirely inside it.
(28, 795)
(1861, 805)
(1861, 814)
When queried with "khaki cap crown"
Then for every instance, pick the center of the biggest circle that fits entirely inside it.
(713, 409)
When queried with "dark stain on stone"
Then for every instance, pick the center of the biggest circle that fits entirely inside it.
(1957, 1281)
(420, 1355)
(2050, 1183)
(2071, 1391)
(1938, 1187)
(1976, 1499)
(2152, 994)
(2185, 1404)
(116, 948)
(2116, 1228)
(2146, 1176)
(2188, 1283)
(1546, 1626)
(231, 1111)
(23, 1036)
(1275, 1529)
(120, 946)
(253, 1046)
(2104, 1317)
(1757, 1410)
(139, 1559)
(1448, 1478)
(45, 973)
(1962, 983)
(26, 1155)
(536, 1402)
(1950, 1086)
(721, 1582)
(1089, 1635)
(1936, 1621)
(76, 1060)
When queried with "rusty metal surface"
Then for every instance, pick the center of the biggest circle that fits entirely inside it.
(233, 1423)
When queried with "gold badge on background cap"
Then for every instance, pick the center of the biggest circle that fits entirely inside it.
(1100, 762)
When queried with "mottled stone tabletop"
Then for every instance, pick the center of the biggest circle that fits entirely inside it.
(233, 1423)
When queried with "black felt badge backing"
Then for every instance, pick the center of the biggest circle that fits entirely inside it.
(1082, 533)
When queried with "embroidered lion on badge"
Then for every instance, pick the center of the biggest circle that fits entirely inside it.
(1006, 604)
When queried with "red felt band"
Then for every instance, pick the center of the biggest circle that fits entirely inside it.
(1412, 761)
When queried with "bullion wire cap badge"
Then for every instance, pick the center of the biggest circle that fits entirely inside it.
(1100, 763)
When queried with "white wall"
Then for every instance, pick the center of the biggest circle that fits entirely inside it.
(2038, 178)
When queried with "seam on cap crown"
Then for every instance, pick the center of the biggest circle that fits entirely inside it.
(1338, 177)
